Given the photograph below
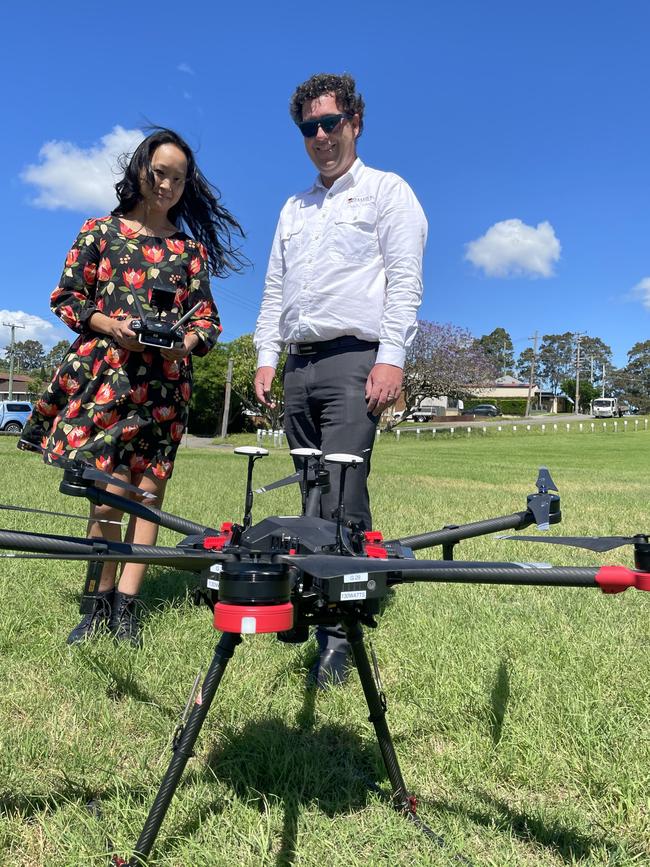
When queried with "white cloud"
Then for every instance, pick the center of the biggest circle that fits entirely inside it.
(34, 328)
(80, 179)
(185, 67)
(642, 292)
(512, 248)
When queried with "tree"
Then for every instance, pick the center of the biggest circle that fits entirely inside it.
(206, 405)
(556, 359)
(56, 355)
(443, 360)
(588, 392)
(28, 355)
(633, 381)
(499, 349)
(594, 355)
(244, 355)
(524, 363)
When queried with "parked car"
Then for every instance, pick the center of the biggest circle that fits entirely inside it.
(488, 409)
(14, 414)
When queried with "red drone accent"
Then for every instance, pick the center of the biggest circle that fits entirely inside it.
(251, 619)
(217, 543)
(616, 579)
(370, 548)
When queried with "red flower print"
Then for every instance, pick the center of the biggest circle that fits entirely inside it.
(117, 314)
(134, 278)
(100, 305)
(105, 271)
(195, 265)
(172, 369)
(89, 225)
(203, 252)
(105, 394)
(58, 449)
(104, 463)
(45, 408)
(147, 357)
(153, 254)
(68, 384)
(104, 420)
(164, 413)
(56, 294)
(139, 393)
(127, 231)
(204, 310)
(87, 347)
(186, 391)
(90, 273)
(138, 463)
(175, 246)
(78, 437)
(73, 408)
(97, 363)
(67, 314)
(102, 245)
(162, 469)
(72, 256)
(116, 357)
(177, 430)
(129, 431)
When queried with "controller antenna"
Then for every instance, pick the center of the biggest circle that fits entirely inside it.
(253, 453)
(345, 462)
(305, 454)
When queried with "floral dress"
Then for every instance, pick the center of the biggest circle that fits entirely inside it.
(106, 405)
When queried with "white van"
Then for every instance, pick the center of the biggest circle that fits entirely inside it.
(606, 407)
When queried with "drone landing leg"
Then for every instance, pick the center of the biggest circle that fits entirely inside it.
(183, 749)
(402, 800)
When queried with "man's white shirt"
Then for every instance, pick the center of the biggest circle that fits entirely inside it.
(345, 260)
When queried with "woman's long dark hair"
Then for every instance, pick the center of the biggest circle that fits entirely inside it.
(207, 221)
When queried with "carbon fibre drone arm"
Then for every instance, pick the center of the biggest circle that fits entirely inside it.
(451, 535)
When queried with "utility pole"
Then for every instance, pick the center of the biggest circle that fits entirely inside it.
(531, 379)
(578, 338)
(604, 370)
(592, 370)
(13, 327)
(226, 400)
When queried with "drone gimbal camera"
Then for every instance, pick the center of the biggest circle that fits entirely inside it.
(284, 575)
(155, 329)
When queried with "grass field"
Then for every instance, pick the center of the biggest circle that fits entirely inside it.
(520, 715)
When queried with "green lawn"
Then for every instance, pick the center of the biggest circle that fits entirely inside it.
(520, 715)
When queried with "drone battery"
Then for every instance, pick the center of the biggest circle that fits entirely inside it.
(253, 619)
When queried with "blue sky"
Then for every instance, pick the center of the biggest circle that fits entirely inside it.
(523, 129)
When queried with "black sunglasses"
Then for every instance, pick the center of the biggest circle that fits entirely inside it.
(328, 123)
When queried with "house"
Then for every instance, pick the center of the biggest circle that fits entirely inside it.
(20, 384)
(507, 387)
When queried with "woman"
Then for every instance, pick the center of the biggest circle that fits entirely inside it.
(115, 403)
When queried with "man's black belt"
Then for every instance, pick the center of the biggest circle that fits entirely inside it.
(345, 343)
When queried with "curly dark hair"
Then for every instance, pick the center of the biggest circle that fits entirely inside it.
(342, 86)
(198, 209)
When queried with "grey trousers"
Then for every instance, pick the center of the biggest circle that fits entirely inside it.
(325, 408)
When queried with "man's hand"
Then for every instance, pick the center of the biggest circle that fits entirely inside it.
(383, 387)
(263, 381)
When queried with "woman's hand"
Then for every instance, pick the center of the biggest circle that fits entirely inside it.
(175, 353)
(123, 335)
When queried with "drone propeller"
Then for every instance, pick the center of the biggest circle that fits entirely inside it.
(540, 503)
(287, 480)
(58, 514)
(307, 474)
(591, 543)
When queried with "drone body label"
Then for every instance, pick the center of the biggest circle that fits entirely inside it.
(347, 595)
(355, 577)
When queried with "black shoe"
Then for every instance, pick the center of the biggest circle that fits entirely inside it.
(332, 668)
(94, 620)
(124, 622)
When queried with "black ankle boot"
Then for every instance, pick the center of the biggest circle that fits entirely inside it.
(124, 622)
(96, 617)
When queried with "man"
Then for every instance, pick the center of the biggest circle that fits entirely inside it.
(342, 289)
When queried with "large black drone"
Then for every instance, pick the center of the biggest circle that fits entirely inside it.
(285, 574)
